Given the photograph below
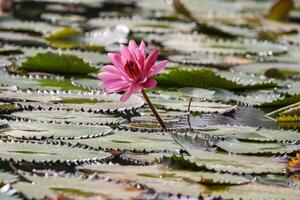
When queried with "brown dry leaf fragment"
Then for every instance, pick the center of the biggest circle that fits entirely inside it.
(280, 10)
(294, 163)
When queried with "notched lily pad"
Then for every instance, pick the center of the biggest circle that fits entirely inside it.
(133, 141)
(76, 187)
(37, 82)
(73, 101)
(205, 78)
(64, 116)
(47, 152)
(200, 44)
(142, 25)
(61, 64)
(248, 133)
(38, 130)
(145, 174)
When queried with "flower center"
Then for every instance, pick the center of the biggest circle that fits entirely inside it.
(132, 69)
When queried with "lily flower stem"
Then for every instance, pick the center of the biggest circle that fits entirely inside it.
(161, 122)
(159, 119)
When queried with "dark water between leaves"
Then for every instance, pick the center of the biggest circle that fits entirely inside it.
(245, 116)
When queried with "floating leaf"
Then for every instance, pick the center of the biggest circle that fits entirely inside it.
(107, 37)
(6, 177)
(254, 191)
(37, 82)
(195, 107)
(137, 24)
(64, 116)
(290, 115)
(237, 163)
(203, 156)
(27, 26)
(205, 78)
(197, 92)
(88, 83)
(45, 152)
(22, 39)
(285, 101)
(57, 64)
(93, 58)
(209, 60)
(200, 44)
(73, 101)
(248, 133)
(235, 146)
(38, 130)
(66, 37)
(71, 186)
(144, 157)
(271, 70)
(62, 33)
(145, 174)
(252, 98)
(129, 140)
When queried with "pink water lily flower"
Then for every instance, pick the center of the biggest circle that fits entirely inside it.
(131, 71)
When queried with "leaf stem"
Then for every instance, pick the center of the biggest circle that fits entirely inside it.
(159, 119)
(189, 112)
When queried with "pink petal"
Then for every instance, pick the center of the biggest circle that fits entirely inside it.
(132, 89)
(114, 70)
(158, 67)
(127, 94)
(143, 49)
(137, 88)
(113, 83)
(111, 68)
(126, 54)
(117, 88)
(151, 83)
(117, 62)
(115, 59)
(133, 48)
(108, 76)
(132, 45)
(150, 61)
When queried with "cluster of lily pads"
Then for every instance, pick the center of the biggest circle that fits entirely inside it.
(231, 63)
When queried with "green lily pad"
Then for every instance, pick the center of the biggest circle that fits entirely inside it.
(57, 64)
(27, 26)
(237, 147)
(64, 116)
(71, 186)
(285, 69)
(205, 78)
(22, 39)
(200, 44)
(248, 133)
(240, 164)
(88, 83)
(142, 25)
(36, 82)
(44, 152)
(196, 105)
(130, 140)
(73, 101)
(145, 174)
(37, 130)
